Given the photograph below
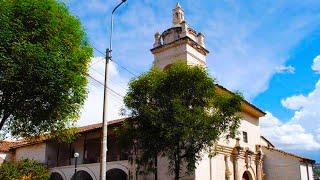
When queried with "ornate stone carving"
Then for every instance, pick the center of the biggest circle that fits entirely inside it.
(200, 39)
(157, 40)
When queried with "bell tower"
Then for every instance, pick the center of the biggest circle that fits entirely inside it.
(179, 43)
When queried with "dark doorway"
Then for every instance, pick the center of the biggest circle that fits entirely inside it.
(116, 174)
(55, 176)
(82, 175)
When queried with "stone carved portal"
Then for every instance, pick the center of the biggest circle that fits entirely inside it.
(246, 176)
(116, 174)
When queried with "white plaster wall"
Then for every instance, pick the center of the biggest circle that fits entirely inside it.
(303, 172)
(250, 125)
(36, 152)
(278, 166)
(217, 167)
(310, 172)
(3, 157)
(163, 171)
(194, 56)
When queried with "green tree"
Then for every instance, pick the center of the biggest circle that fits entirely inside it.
(24, 169)
(317, 171)
(177, 113)
(44, 57)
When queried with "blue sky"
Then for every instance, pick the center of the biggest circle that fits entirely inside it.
(265, 49)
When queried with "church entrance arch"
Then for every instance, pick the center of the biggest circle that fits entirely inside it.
(246, 176)
(116, 174)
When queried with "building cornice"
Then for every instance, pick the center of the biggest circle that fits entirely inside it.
(183, 40)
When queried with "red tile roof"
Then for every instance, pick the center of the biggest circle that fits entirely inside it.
(6, 145)
(80, 130)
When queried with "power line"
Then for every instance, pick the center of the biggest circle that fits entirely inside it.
(109, 79)
(105, 86)
(91, 65)
(116, 63)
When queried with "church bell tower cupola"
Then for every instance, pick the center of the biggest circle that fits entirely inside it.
(179, 43)
(177, 15)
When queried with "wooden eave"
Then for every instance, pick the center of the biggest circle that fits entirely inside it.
(246, 106)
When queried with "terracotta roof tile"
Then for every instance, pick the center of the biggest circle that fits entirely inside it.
(6, 145)
(80, 130)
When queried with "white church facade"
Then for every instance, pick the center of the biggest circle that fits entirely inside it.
(248, 157)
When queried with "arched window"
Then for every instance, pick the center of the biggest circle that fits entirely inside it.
(116, 174)
(82, 175)
(55, 176)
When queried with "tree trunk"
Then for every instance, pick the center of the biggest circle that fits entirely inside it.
(177, 171)
(156, 168)
(3, 120)
(177, 163)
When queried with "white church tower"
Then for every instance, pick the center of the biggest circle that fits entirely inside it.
(179, 42)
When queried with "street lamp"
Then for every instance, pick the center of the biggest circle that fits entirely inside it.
(75, 155)
(104, 149)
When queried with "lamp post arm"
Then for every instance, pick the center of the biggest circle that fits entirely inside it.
(111, 31)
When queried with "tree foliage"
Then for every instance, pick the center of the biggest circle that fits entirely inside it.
(317, 171)
(177, 113)
(24, 170)
(44, 58)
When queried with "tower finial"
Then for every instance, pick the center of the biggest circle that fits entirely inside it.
(178, 14)
(178, 5)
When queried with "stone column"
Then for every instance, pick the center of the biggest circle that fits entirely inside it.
(235, 153)
(258, 162)
(259, 170)
(236, 168)
(184, 27)
(227, 171)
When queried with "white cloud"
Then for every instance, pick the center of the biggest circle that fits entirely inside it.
(295, 102)
(316, 64)
(307, 109)
(290, 136)
(285, 69)
(302, 131)
(93, 107)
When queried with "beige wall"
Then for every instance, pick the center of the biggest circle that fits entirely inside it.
(181, 52)
(278, 166)
(36, 152)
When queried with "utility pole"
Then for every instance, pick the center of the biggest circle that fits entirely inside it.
(104, 138)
